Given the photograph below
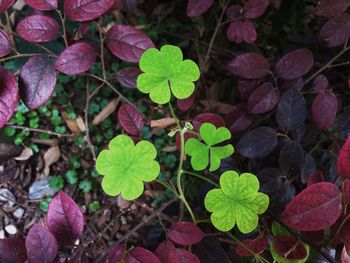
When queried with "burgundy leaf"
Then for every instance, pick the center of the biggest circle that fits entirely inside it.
(324, 110)
(240, 31)
(76, 59)
(263, 99)
(343, 231)
(166, 252)
(178, 139)
(141, 255)
(319, 201)
(343, 164)
(185, 233)
(346, 191)
(38, 28)
(331, 8)
(320, 83)
(127, 43)
(247, 87)
(85, 10)
(336, 31)
(130, 119)
(297, 84)
(295, 64)
(5, 4)
(186, 256)
(316, 177)
(37, 81)
(64, 219)
(316, 237)
(198, 7)
(5, 43)
(116, 253)
(238, 120)
(249, 66)
(42, 4)
(255, 8)
(13, 250)
(233, 11)
(128, 76)
(9, 96)
(207, 117)
(41, 245)
(290, 248)
(186, 104)
(257, 245)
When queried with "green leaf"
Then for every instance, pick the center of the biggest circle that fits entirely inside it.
(165, 71)
(237, 202)
(202, 153)
(125, 166)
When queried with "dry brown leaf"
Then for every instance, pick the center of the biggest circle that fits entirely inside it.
(162, 123)
(72, 124)
(25, 155)
(51, 156)
(169, 149)
(106, 111)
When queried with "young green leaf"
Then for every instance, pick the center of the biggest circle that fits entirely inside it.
(202, 153)
(165, 71)
(125, 166)
(237, 202)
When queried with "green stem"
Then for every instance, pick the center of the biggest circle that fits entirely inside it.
(168, 187)
(174, 116)
(202, 178)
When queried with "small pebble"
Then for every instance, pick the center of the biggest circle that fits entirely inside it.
(7, 198)
(11, 229)
(18, 213)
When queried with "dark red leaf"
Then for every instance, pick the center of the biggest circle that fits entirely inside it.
(255, 8)
(141, 255)
(343, 164)
(185, 233)
(130, 119)
(249, 66)
(324, 110)
(37, 81)
(76, 59)
(9, 96)
(263, 99)
(42, 4)
(166, 252)
(41, 245)
(238, 119)
(320, 200)
(127, 43)
(247, 87)
(128, 76)
(240, 31)
(320, 83)
(346, 191)
(344, 232)
(38, 28)
(207, 117)
(85, 10)
(198, 7)
(295, 64)
(186, 256)
(5, 4)
(297, 84)
(257, 245)
(64, 219)
(116, 253)
(316, 237)
(233, 11)
(331, 8)
(316, 177)
(13, 250)
(186, 104)
(290, 248)
(336, 31)
(5, 43)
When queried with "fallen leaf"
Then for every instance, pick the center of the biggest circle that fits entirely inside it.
(162, 123)
(51, 156)
(106, 111)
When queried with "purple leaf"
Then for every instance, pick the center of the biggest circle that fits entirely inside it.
(38, 28)
(297, 84)
(208, 117)
(186, 256)
(86, 10)
(5, 43)
(64, 219)
(130, 119)
(336, 31)
(234, 11)
(331, 8)
(116, 253)
(185, 233)
(141, 255)
(127, 43)
(238, 119)
(5, 4)
(127, 77)
(186, 104)
(13, 250)
(240, 31)
(37, 81)
(9, 95)
(41, 245)
(249, 66)
(255, 8)
(42, 4)
(320, 83)
(128, 6)
(76, 59)
(263, 99)
(247, 87)
(324, 110)
(166, 252)
(198, 7)
(295, 64)
(77, 258)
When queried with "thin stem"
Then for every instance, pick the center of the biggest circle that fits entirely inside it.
(21, 56)
(168, 187)
(64, 33)
(86, 119)
(38, 130)
(9, 28)
(201, 177)
(102, 49)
